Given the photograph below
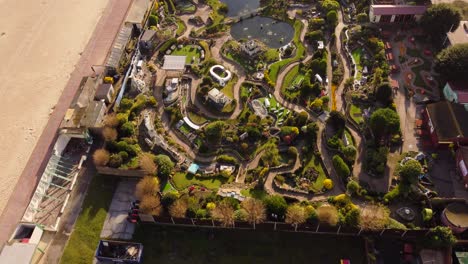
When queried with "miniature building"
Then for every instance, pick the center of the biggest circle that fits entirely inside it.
(217, 97)
(446, 123)
(22, 248)
(171, 89)
(250, 47)
(320, 45)
(84, 112)
(457, 92)
(174, 63)
(147, 40)
(462, 164)
(395, 11)
(455, 216)
(118, 47)
(104, 92)
(193, 169)
(459, 36)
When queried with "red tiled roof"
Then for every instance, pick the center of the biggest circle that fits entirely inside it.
(398, 10)
(459, 85)
(462, 97)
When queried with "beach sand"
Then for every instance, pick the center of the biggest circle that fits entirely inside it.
(40, 43)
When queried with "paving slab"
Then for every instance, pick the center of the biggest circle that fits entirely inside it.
(116, 225)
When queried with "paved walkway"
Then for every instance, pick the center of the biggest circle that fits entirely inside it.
(116, 225)
(346, 73)
(94, 54)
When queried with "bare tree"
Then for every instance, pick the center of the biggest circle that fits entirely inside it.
(178, 208)
(109, 133)
(147, 164)
(255, 209)
(295, 214)
(327, 214)
(111, 120)
(101, 157)
(151, 204)
(374, 217)
(149, 185)
(224, 213)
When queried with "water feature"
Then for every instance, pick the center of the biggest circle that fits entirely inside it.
(273, 33)
(241, 7)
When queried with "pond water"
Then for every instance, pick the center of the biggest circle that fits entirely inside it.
(273, 33)
(241, 7)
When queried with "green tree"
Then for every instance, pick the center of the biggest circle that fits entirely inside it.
(165, 165)
(349, 153)
(337, 120)
(214, 131)
(352, 187)
(332, 18)
(440, 19)
(340, 167)
(362, 18)
(329, 5)
(311, 132)
(127, 129)
(410, 171)
(352, 217)
(384, 93)
(153, 20)
(384, 122)
(440, 237)
(452, 63)
(314, 36)
(276, 204)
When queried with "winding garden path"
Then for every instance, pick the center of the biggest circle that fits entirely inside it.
(239, 71)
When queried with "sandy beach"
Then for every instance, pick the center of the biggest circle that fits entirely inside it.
(40, 43)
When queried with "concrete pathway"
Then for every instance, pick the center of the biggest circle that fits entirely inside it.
(116, 225)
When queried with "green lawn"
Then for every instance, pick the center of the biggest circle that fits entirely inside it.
(183, 180)
(242, 62)
(228, 90)
(254, 193)
(349, 137)
(180, 27)
(314, 162)
(356, 114)
(271, 55)
(300, 51)
(86, 233)
(178, 244)
(188, 51)
(196, 118)
(357, 53)
(291, 78)
(168, 187)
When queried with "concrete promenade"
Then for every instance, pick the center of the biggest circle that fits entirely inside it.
(95, 53)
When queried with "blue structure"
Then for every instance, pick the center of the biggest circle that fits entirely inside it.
(193, 168)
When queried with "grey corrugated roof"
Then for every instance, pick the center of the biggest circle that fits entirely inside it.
(172, 62)
(118, 48)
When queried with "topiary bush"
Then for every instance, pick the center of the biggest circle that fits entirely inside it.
(340, 167)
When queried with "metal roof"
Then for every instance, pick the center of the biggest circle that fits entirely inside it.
(172, 62)
(398, 10)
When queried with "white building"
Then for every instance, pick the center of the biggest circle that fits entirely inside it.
(389, 11)
(217, 97)
(251, 47)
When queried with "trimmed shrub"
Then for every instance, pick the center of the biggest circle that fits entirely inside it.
(127, 129)
(101, 157)
(115, 161)
(340, 167)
